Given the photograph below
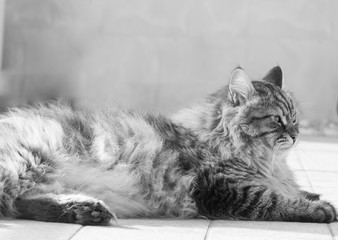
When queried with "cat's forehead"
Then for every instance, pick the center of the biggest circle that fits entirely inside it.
(273, 96)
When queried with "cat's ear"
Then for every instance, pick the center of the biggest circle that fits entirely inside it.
(240, 87)
(275, 76)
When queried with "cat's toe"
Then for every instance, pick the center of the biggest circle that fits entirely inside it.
(93, 214)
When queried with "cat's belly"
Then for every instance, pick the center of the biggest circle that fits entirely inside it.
(128, 194)
(117, 189)
(135, 177)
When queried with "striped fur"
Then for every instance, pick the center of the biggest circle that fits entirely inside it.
(222, 159)
(252, 133)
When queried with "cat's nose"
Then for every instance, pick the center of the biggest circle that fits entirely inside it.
(293, 133)
(294, 138)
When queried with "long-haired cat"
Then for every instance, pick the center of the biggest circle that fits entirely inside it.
(222, 159)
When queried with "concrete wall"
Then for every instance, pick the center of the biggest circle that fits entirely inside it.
(165, 54)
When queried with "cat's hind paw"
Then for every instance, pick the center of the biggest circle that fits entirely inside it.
(93, 213)
(324, 212)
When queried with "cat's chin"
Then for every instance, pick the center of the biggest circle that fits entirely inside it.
(284, 148)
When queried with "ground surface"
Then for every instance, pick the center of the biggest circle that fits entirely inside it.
(316, 167)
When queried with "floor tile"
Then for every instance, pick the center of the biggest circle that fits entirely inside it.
(147, 229)
(323, 178)
(267, 230)
(325, 183)
(34, 230)
(293, 161)
(323, 145)
(321, 161)
(334, 228)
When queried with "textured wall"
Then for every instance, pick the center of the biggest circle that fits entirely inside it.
(165, 54)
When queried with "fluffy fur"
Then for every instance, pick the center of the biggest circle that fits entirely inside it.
(222, 159)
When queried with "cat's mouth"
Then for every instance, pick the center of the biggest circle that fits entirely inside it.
(285, 143)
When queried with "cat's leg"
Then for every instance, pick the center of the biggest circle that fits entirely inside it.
(224, 198)
(29, 190)
(66, 208)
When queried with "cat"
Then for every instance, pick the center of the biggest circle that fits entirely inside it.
(221, 159)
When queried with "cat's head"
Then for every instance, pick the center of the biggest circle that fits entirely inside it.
(260, 110)
(245, 113)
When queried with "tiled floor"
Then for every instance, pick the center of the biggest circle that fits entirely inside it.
(315, 164)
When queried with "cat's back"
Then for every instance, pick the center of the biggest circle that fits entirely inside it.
(102, 133)
(126, 137)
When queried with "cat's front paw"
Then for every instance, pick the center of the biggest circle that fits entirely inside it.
(324, 212)
(92, 213)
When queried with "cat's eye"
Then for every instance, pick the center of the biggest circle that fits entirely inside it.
(277, 119)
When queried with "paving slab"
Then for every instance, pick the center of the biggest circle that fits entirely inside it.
(11, 229)
(134, 229)
(321, 179)
(293, 161)
(320, 161)
(334, 230)
(242, 230)
(326, 145)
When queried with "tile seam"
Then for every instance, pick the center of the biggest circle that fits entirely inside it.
(207, 233)
(73, 235)
(331, 231)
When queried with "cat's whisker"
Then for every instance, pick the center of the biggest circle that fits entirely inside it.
(273, 162)
(115, 218)
(310, 137)
(275, 153)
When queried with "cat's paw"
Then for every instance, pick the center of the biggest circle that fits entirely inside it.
(92, 213)
(324, 212)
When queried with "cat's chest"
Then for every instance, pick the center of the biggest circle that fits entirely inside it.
(283, 183)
